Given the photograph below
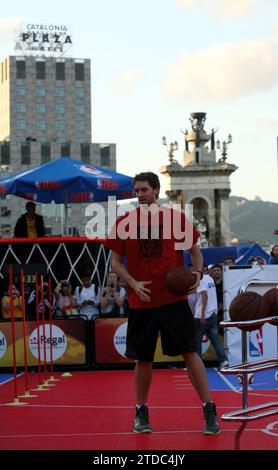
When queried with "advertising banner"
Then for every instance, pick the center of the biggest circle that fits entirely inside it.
(110, 343)
(262, 343)
(68, 343)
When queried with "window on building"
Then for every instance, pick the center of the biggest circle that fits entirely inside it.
(80, 125)
(40, 70)
(105, 156)
(60, 91)
(45, 153)
(20, 124)
(20, 69)
(20, 90)
(85, 152)
(60, 125)
(79, 71)
(5, 211)
(60, 108)
(25, 154)
(40, 90)
(20, 107)
(40, 107)
(41, 124)
(80, 108)
(60, 70)
(5, 154)
(79, 91)
(65, 149)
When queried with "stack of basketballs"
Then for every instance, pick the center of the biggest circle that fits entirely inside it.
(253, 306)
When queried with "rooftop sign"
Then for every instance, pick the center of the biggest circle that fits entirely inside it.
(43, 39)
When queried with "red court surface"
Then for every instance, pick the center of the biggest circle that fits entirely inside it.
(94, 411)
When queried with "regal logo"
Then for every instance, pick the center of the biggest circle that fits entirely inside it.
(55, 339)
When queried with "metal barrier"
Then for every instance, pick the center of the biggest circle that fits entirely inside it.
(255, 412)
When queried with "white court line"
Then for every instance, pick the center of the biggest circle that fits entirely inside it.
(227, 381)
(11, 378)
(130, 433)
(115, 407)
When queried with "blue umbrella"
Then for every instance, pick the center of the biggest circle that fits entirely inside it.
(67, 181)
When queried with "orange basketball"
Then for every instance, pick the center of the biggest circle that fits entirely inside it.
(179, 280)
(271, 300)
(248, 306)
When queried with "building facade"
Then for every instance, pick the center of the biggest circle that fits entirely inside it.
(45, 113)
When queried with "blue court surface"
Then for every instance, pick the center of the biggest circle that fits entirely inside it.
(5, 378)
(264, 380)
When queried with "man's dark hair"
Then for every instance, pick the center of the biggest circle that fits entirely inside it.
(231, 258)
(29, 204)
(150, 177)
(217, 265)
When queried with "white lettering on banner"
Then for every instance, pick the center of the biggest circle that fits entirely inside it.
(3, 344)
(120, 339)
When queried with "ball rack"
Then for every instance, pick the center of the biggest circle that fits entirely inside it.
(246, 413)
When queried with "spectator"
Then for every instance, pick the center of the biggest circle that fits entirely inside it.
(256, 260)
(205, 314)
(88, 297)
(32, 302)
(124, 309)
(229, 261)
(217, 276)
(112, 296)
(6, 305)
(66, 302)
(274, 255)
(30, 224)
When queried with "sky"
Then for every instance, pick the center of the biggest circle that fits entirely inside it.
(153, 62)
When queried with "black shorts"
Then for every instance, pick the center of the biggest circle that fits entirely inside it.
(175, 323)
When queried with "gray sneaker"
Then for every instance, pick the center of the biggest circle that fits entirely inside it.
(141, 420)
(211, 425)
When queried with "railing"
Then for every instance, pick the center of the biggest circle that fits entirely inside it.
(255, 412)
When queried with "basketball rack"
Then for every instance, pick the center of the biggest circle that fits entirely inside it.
(260, 411)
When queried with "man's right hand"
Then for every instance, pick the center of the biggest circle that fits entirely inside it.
(142, 291)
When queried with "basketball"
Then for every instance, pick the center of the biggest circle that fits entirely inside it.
(271, 300)
(247, 306)
(179, 280)
(249, 376)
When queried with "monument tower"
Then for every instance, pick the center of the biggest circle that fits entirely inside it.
(202, 181)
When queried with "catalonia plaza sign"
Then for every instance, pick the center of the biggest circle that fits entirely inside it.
(43, 39)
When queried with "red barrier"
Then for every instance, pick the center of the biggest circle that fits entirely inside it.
(38, 329)
(43, 329)
(27, 390)
(13, 332)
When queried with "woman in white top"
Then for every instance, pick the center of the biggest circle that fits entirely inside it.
(88, 297)
(113, 296)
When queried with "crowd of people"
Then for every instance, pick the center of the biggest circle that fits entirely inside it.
(87, 300)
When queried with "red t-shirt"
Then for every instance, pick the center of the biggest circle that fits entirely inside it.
(152, 246)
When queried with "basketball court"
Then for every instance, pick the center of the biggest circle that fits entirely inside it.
(94, 410)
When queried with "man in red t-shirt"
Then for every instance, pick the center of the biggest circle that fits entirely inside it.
(152, 238)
